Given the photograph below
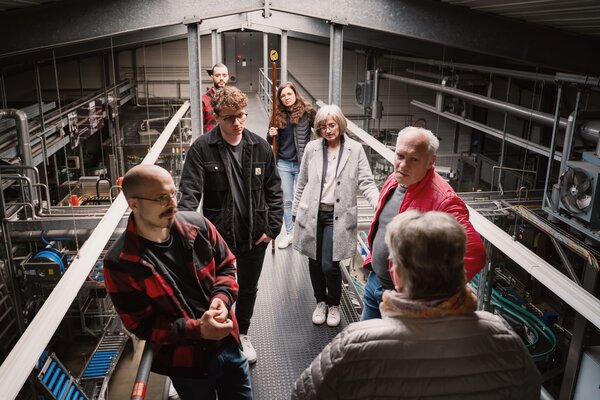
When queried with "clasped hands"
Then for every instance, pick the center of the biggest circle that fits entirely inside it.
(214, 323)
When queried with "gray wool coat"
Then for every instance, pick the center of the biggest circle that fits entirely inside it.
(353, 173)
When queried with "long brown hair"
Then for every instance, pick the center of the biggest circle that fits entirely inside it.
(297, 109)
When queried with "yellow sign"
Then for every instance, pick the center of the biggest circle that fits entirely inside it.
(274, 55)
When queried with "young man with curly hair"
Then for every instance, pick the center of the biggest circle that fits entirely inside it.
(233, 172)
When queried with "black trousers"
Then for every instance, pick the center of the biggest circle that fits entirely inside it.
(325, 274)
(249, 266)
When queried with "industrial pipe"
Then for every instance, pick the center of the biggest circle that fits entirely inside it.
(23, 141)
(60, 234)
(536, 116)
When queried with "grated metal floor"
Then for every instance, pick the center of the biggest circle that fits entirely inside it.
(282, 332)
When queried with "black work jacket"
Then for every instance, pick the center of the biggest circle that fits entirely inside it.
(207, 175)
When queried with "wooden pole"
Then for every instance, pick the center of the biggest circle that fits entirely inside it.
(274, 120)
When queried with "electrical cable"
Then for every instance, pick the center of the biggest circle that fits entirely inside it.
(528, 319)
(53, 255)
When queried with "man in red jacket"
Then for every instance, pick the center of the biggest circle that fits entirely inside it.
(414, 184)
(171, 278)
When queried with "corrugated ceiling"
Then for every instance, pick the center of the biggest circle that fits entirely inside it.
(579, 16)
(11, 4)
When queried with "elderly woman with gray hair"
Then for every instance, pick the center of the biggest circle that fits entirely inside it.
(332, 171)
(431, 342)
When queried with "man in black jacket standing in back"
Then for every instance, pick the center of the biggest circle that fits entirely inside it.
(233, 172)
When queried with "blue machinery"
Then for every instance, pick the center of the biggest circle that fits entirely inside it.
(58, 382)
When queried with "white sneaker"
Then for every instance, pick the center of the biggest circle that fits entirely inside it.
(285, 241)
(320, 313)
(248, 349)
(333, 316)
(173, 393)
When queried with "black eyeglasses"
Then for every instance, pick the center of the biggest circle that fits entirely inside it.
(230, 119)
(164, 200)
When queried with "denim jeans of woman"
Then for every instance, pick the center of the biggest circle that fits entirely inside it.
(288, 172)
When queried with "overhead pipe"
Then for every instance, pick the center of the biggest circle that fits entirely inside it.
(24, 144)
(534, 76)
(590, 131)
(537, 116)
(60, 234)
(568, 140)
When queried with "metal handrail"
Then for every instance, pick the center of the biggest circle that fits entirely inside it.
(143, 373)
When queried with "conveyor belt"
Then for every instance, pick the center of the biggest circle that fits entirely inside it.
(282, 332)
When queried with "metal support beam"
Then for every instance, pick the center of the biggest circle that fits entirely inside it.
(213, 46)
(195, 80)
(567, 388)
(3, 91)
(106, 80)
(284, 57)
(265, 53)
(219, 47)
(565, 261)
(552, 144)
(336, 53)
(569, 131)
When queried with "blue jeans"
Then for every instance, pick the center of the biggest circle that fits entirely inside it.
(372, 298)
(228, 377)
(288, 172)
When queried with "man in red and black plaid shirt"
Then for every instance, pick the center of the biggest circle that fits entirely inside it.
(220, 76)
(171, 278)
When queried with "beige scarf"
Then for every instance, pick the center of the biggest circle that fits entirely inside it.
(396, 304)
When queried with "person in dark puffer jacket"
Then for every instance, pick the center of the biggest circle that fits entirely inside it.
(294, 122)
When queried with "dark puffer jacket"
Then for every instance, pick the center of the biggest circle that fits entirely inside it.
(302, 132)
(207, 173)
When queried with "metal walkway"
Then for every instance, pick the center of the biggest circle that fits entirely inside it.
(282, 332)
(281, 329)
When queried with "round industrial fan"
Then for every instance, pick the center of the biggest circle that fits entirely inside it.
(575, 190)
